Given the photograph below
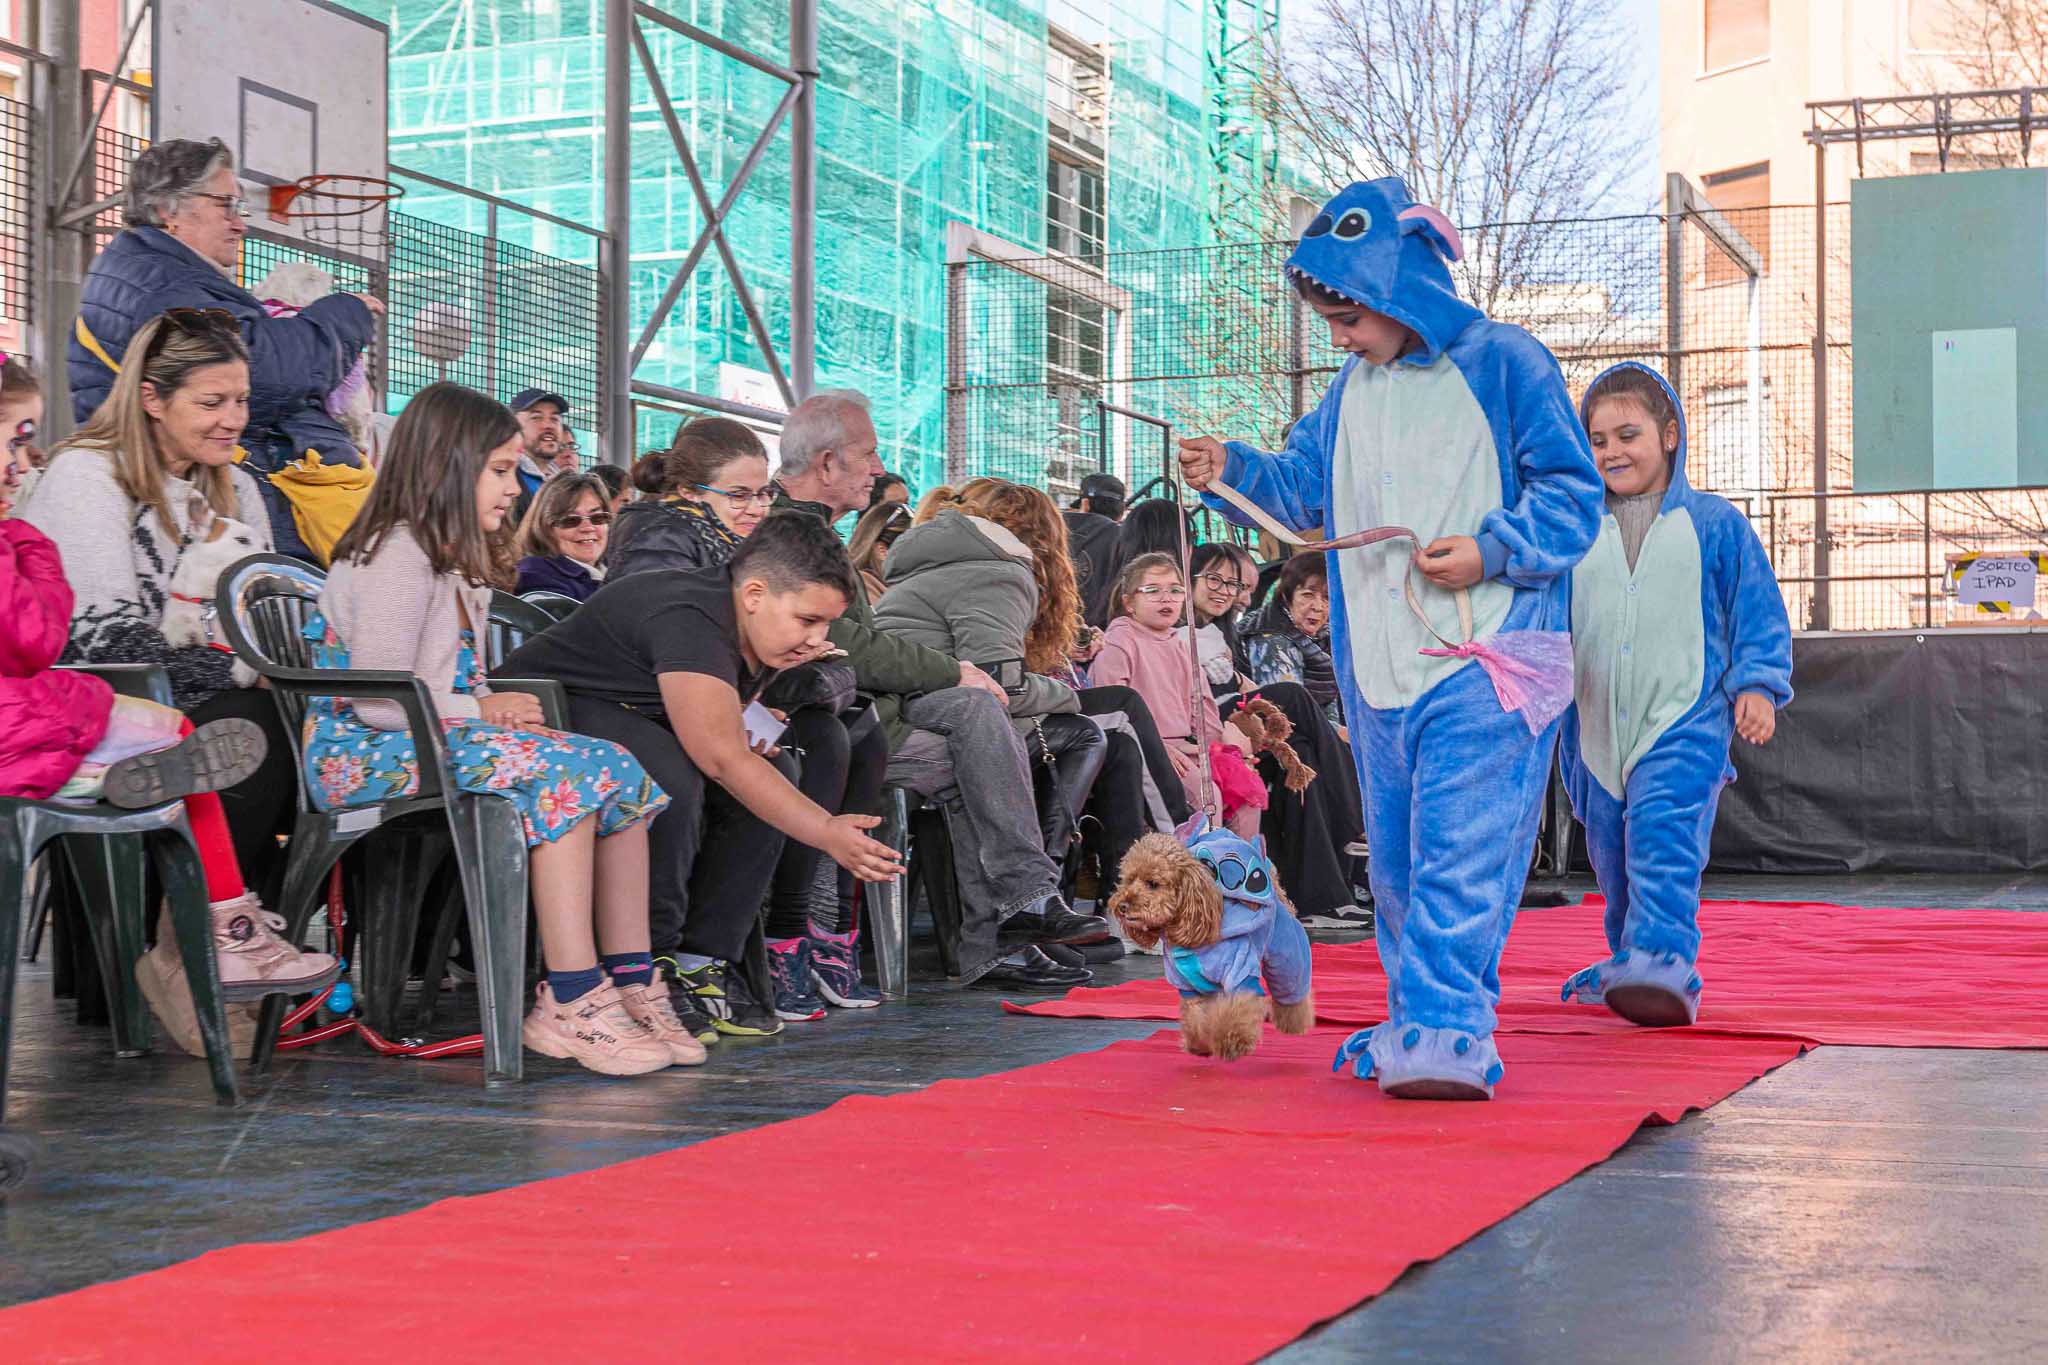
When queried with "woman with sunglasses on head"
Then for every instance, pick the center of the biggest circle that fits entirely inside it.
(562, 541)
(122, 500)
(185, 221)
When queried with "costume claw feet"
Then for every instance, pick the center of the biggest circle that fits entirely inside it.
(1655, 990)
(1415, 1063)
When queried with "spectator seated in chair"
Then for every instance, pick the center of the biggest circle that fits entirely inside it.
(563, 538)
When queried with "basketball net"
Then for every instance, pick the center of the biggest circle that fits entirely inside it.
(348, 213)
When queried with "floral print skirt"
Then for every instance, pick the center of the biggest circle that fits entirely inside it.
(555, 779)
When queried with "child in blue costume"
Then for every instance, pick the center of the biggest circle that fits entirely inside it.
(1461, 429)
(1679, 639)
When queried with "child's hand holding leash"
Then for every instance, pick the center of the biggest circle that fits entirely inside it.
(1756, 720)
(1451, 562)
(1201, 459)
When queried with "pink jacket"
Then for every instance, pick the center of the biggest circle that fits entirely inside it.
(48, 720)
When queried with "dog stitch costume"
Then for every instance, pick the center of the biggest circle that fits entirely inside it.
(1662, 650)
(1471, 432)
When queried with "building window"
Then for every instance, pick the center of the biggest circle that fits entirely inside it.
(1737, 31)
(1073, 208)
(1743, 196)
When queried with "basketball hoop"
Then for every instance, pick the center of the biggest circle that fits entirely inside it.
(340, 212)
(331, 196)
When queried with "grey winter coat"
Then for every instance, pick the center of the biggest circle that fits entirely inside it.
(963, 585)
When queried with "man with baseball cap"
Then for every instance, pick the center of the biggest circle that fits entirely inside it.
(1091, 541)
(540, 415)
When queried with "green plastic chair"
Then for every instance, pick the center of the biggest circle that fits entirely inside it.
(265, 602)
(109, 851)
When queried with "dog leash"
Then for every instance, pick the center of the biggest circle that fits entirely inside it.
(1352, 541)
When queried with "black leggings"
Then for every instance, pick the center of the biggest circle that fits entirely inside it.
(265, 805)
(843, 759)
(1306, 834)
(1101, 701)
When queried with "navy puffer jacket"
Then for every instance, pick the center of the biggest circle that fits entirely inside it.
(293, 362)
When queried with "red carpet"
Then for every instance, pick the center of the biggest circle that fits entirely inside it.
(1821, 973)
(1128, 1204)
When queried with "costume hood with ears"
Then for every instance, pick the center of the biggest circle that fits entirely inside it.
(1679, 488)
(1374, 244)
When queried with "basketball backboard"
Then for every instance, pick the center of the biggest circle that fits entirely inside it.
(294, 87)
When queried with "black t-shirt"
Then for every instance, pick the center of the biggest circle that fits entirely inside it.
(617, 645)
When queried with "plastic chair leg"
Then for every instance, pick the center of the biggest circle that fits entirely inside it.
(14, 861)
(941, 889)
(889, 902)
(490, 853)
(184, 879)
(315, 847)
(394, 879)
(111, 873)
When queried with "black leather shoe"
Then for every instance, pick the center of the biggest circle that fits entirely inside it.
(1053, 921)
(1036, 972)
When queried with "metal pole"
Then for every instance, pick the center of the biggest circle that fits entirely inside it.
(494, 297)
(956, 371)
(1822, 588)
(616, 254)
(61, 265)
(1674, 277)
(803, 200)
(1927, 558)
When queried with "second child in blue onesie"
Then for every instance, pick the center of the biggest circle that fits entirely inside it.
(1680, 641)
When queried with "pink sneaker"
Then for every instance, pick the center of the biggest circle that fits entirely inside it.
(595, 1032)
(650, 1005)
(255, 962)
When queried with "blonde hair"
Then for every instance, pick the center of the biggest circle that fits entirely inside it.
(1134, 573)
(123, 429)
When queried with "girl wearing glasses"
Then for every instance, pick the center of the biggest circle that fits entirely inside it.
(562, 541)
(715, 477)
(1144, 650)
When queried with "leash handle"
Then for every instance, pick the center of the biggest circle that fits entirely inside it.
(1353, 541)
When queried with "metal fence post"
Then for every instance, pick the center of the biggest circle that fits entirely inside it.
(1674, 278)
(615, 258)
(1823, 588)
(1927, 556)
(66, 252)
(492, 299)
(803, 199)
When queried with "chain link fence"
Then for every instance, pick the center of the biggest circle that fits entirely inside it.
(1214, 341)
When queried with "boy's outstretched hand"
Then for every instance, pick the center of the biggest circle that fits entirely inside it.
(1451, 562)
(868, 859)
(1756, 720)
(1201, 461)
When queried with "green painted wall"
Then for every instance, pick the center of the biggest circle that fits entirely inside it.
(1949, 275)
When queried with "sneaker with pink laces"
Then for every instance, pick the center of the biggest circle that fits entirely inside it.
(649, 1004)
(594, 1031)
(255, 962)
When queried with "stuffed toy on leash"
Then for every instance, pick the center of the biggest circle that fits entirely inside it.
(1231, 937)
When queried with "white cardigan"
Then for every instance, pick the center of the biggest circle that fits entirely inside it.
(393, 611)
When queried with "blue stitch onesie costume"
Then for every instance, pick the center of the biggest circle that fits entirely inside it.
(1661, 652)
(1471, 432)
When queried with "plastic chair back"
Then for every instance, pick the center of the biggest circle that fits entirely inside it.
(513, 623)
(265, 602)
(558, 605)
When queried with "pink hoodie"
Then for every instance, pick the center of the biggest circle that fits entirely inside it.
(49, 720)
(1159, 669)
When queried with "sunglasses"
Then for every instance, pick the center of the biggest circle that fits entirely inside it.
(569, 521)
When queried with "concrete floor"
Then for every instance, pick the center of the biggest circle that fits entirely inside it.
(1859, 1203)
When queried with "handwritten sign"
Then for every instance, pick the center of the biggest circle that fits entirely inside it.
(2008, 581)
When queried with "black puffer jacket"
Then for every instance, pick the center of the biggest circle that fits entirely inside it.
(674, 533)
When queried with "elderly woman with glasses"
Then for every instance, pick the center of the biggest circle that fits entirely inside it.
(563, 538)
(181, 248)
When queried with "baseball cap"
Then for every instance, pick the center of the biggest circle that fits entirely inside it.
(526, 398)
(1103, 486)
